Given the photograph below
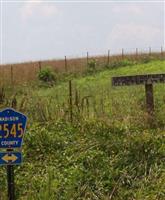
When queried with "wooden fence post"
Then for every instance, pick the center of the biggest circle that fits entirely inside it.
(108, 57)
(87, 58)
(66, 67)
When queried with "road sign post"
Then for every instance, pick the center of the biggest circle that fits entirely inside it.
(147, 80)
(12, 128)
(10, 180)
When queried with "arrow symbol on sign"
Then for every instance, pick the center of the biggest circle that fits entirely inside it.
(9, 157)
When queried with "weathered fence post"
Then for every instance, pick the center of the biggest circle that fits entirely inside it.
(77, 100)
(108, 57)
(70, 101)
(87, 58)
(66, 67)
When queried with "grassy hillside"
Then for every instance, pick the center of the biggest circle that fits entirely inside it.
(94, 97)
(108, 152)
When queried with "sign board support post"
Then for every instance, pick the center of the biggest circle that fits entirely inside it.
(10, 180)
(148, 80)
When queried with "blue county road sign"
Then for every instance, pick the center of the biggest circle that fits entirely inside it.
(10, 158)
(12, 128)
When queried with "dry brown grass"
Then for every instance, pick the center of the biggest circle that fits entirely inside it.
(14, 74)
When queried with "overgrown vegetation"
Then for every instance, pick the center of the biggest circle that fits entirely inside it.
(108, 152)
(91, 66)
(46, 75)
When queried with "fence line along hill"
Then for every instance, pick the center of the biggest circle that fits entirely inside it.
(20, 73)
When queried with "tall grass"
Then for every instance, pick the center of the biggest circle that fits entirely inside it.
(107, 152)
(92, 97)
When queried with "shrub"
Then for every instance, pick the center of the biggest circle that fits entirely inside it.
(91, 66)
(47, 75)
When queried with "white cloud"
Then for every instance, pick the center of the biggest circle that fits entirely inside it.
(133, 35)
(39, 8)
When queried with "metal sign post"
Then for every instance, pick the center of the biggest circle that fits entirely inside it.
(148, 81)
(10, 182)
(12, 128)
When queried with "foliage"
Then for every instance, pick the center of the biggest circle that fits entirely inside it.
(108, 152)
(47, 75)
(90, 161)
(91, 66)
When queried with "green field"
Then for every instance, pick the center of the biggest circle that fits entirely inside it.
(108, 152)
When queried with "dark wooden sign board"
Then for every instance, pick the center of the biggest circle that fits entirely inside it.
(148, 80)
(138, 79)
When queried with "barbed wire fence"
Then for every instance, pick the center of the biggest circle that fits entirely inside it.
(22, 73)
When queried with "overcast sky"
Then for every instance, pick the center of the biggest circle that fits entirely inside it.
(34, 30)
